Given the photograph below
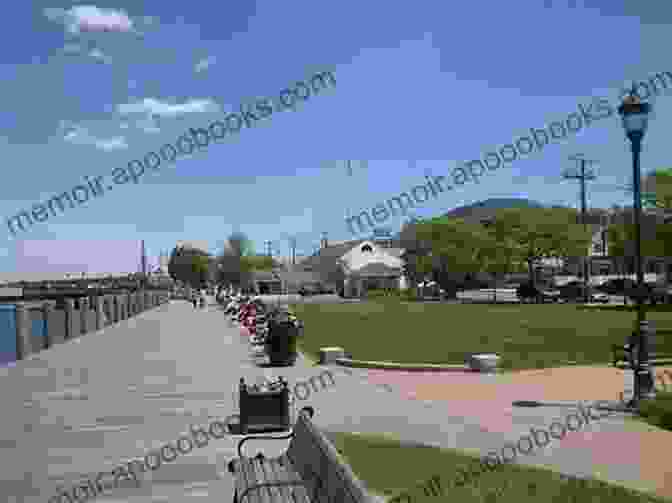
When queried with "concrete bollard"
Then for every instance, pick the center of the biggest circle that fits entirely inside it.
(115, 308)
(56, 331)
(98, 307)
(70, 319)
(24, 343)
(84, 315)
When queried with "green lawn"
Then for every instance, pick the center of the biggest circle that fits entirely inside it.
(389, 468)
(525, 336)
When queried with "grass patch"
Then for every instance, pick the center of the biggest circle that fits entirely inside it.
(389, 468)
(526, 336)
(658, 412)
(658, 308)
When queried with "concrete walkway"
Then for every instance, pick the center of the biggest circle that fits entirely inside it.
(91, 404)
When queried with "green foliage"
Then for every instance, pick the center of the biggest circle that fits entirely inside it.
(533, 234)
(657, 189)
(447, 248)
(235, 264)
(190, 265)
(656, 238)
(257, 263)
(658, 411)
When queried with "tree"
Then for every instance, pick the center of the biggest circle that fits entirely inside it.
(449, 248)
(657, 189)
(189, 265)
(233, 264)
(499, 254)
(538, 233)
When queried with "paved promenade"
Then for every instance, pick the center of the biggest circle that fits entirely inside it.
(89, 405)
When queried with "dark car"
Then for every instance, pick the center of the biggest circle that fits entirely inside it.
(575, 291)
(528, 292)
(651, 292)
(306, 290)
(616, 286)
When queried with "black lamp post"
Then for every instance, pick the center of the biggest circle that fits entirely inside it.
(635, 117)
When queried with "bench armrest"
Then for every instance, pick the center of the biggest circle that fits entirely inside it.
(260, 437)
(305, 410)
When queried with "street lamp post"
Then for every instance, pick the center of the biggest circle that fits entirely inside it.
(635, 116)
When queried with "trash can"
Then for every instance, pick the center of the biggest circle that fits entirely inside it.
(264, 408)
(281, 340)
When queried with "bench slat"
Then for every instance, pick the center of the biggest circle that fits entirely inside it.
(265, 495)
(278, 473)
(310, 471)
(268, 475)
(312, 454)
(247, 479)
(286, 472)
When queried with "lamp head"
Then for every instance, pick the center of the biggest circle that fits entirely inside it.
(634, 115)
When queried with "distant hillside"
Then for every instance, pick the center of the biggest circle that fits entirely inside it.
(485, 207)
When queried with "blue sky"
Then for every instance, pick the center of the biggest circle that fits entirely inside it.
(421, 87)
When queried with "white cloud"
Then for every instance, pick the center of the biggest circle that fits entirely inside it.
(89, 18)
(204, 64)
(72, 49)
(148, 125)
(98, 54)
(151, 106)
(79, 135)
(116, 143)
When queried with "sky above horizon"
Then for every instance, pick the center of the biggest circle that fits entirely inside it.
(87, 88)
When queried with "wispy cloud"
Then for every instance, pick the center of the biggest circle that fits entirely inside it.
(152, 106)
(79, 135)
(89, 18)
(204, 64)
(98, 54)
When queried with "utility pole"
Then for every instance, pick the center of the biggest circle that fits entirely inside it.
(268, 244)
(583, 175)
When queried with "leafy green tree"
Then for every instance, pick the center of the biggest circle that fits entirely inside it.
(189, 265)
(234, 265)
(657, 189)
(537, 233)
(450, 248)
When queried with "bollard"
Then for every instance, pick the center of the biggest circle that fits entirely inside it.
(98, 307)
(83, 313)
(117, 309)
(55, 334)
(24, 344)
(70, 319)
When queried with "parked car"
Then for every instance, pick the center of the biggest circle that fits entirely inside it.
(653, 293)
(575, 291)
(616, 286)
(309, 290)
(528, 292)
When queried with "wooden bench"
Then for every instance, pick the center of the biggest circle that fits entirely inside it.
(310, 471)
